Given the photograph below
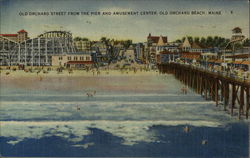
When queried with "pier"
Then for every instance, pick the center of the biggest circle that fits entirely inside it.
(231, 93)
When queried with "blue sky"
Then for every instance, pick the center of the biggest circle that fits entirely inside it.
(124, 27)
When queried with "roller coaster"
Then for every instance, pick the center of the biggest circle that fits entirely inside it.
(36, 51)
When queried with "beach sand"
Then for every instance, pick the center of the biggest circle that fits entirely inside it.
(112, 80)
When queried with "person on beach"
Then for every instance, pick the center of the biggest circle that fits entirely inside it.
(184, 90)
(186, 129)
(98, 72)
(91, 94)
(78, 108)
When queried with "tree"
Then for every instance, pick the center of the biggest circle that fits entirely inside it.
(197, 40)
(246, 42)
(183, 39)
(105, 40)
(238, 46)
(209, 41)
(190, 39)
(127, 43)
(202, 41)
(215, 41)
(81, 39)
(85, 39)
(178, 41)
(77, 39)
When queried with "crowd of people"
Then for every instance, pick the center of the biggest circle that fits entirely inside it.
(232, 71)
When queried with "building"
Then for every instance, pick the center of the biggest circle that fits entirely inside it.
(190, 57)
(21, 36)
(167, 56)
(139, 51)
(172, 47)
(129, 54)
(118, 50)
(82, 46)
(76, 60)
(186, 46)
(237, 34)
(156, 40)
(155, 44)
(100, 47)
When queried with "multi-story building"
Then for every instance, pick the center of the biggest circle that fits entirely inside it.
(154, 40)
(237, 34)
(156, 44)
(139, 51)
(21, 36)
(186, 46)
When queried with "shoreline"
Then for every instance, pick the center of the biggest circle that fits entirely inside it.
(66, 73)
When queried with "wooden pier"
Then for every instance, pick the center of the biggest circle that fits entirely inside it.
(231, 93)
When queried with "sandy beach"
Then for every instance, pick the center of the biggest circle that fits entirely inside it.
(112, 80)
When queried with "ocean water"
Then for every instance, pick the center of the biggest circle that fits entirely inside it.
(129, 116)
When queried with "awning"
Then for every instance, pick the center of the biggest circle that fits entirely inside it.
(246, 62)
(237, 62)
(239, 56)
(218, 61)
(211, 60)
(191, 56)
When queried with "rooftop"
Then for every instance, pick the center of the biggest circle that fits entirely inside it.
(8, 35)
(155, 39)
(22, 31)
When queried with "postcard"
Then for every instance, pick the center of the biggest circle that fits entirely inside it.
(124, 78)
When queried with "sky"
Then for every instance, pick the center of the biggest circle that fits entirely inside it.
(136, 27)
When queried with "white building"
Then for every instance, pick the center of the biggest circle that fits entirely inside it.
(194, 47)
(72, 60)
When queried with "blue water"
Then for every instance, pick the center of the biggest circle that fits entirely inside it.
(222, 142)
(120, 121)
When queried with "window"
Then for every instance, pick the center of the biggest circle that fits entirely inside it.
(60, 58)
(75, 57)
(69, 58)
(87, 58)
